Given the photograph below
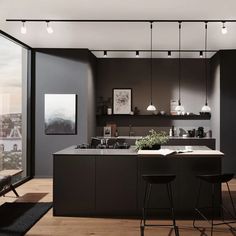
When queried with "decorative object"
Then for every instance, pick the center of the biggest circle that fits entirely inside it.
(60, 113)
(206, 108)
(122, 100)
(151, 107)
(179, 109)
(173, 105)
(153, 141)
(109, 111)
(136, 111)
(113, 128)
(107, 131)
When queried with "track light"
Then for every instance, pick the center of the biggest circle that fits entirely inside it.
(49, 28)
(137, 53)
(169, 53)
(105, 54)
(23, 29)
(224, 29)
(201, 54)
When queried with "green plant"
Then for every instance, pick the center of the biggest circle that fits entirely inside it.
(152, 139)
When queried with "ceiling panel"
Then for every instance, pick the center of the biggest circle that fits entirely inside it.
(120, 36)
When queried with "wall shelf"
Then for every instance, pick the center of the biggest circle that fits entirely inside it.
(146, 120)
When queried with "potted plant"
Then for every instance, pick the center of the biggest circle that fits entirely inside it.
(153, 141)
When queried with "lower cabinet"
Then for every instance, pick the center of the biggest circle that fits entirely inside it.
(94, 185)
(116, 185)
(74, 185)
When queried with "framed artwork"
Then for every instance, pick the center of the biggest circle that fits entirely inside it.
(107, 131)
(60, 113)
(122, 100)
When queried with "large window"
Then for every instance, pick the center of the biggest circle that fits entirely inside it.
(13, 103)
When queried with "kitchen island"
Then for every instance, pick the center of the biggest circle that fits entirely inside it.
(108, 182)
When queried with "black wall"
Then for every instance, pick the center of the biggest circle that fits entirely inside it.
(135, 73)
(227, 108)
(63, 71)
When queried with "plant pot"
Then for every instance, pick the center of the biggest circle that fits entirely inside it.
(154, 147)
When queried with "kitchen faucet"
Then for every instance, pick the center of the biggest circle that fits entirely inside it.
(131, 133)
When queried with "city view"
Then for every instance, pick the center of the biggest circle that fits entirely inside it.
(10, 141)
(10, 105)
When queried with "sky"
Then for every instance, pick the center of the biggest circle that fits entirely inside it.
(10, 76)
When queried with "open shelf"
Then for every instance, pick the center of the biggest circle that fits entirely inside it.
(145, 120)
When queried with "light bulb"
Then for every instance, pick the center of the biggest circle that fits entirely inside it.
(49, 28)
(206, 109)
(137, 53)
(179, 109)
(151, 108)
(224, 29)
(169, 53)
(201, 54)
(105, 54)
(23, 29)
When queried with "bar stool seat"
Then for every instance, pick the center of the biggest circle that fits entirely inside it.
(213, 180)
(158, 179)
(154, 179)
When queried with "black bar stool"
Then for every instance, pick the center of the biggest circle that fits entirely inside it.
(151, 180)
(213, 180)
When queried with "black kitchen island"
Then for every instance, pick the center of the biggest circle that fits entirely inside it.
(108, 182)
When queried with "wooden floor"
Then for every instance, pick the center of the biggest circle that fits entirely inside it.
(41, 190)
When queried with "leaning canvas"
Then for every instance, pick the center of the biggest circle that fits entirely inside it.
(60, 113)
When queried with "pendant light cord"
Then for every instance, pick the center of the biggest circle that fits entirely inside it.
(179, 62)
(206, 71)
(151, 63)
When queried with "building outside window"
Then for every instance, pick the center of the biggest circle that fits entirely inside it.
(13, 105)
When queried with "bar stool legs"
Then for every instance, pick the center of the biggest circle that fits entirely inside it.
(147, 194)
(213, 180)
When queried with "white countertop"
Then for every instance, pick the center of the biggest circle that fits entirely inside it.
(198, 151)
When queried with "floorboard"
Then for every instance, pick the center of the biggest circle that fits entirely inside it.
(41, 190)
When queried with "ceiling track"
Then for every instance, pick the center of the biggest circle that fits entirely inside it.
(153, 50)
(119, 21)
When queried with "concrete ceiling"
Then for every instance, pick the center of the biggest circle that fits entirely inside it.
(121, 35)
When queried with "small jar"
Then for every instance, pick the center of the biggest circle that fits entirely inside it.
(109, 111)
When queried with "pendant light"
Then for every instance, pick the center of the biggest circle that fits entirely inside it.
(23, 29)
(206, 108)
(151, 107)
(179, 108)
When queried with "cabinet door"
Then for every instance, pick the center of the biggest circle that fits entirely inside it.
(74, 185)
(116, 185)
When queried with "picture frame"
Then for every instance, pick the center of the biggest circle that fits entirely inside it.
(107, 131)
(60, 114)
(122, 100)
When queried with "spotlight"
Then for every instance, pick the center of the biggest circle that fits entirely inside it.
(201, 54)
(137, 53)
(23, 29)
(49, 28)
(169, 53)
(105, 54)
(224, 29)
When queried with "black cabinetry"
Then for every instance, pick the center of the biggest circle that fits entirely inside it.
(74, 185)
(116, 185)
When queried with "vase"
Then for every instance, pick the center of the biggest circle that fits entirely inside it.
(154, 147)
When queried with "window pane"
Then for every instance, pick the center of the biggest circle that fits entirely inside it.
(13, 98)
